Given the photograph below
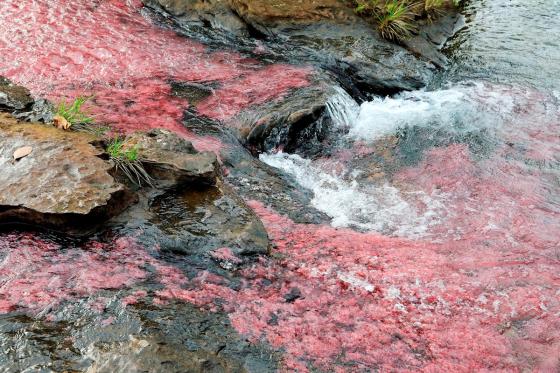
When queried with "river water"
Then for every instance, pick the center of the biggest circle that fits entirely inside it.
(468, 173)
(443, 248)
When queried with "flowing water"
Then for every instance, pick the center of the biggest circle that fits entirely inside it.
(467, 173)
(443, 252)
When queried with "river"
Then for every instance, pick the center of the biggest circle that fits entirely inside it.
(442, 247)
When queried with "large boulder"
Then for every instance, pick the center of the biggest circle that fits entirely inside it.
(324, 33)
(62, 184)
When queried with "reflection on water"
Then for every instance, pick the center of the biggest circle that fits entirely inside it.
(513, 41)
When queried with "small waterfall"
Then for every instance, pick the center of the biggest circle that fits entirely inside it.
(342, 108)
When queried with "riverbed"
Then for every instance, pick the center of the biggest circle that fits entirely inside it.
(434, 241)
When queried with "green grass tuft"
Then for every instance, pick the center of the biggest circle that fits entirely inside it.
(397, 19)
(73, 112)
(127, 160)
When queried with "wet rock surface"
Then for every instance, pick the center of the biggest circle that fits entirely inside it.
(14, 97)
(288, 123)
(116, 323)
(61, 184)
(197, 221)
(326, 34)
(173, 161)
(433, 36)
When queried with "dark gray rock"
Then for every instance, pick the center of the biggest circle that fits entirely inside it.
(433, 36)
(323, 33)
(199, 220)
(14, 97)
(286, 123)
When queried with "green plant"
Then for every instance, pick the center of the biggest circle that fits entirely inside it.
(396, 20)
(127, 160)
(434, 8)
(72, 112)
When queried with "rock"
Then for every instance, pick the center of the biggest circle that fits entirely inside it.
(200, 220)
(193, 92)
(265, 15)
(356, 54)
(328, 34)
(433, 36)
(157, 356)
(13, 97)
(17, 100)
(295, 120)
(61, 184)
(172, 161)
(213, 13)
(293, 295)
(324, 33)
(263, 183)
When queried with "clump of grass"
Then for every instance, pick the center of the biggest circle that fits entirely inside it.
(72, 111)
(71, 115)
(127, 160)
(396, 19)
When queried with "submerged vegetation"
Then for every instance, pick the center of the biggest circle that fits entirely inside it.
(127, 160)
(396, 19)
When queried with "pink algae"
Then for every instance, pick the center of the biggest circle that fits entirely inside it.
(37, 275)
(473, 299)
(61, 49)
(373, 301)
(480, 293)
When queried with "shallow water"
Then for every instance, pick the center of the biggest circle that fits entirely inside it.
(508, 42)
(443, 251)
(467, 173)
(110, 51)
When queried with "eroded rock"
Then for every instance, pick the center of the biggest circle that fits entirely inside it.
(14, 97)
(200, 220)
(172, 160)
(286, 123)
(214, 13)
(61, 184)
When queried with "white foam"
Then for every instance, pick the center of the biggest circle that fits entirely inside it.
(380, 208)
(342, 108)
(460, 108)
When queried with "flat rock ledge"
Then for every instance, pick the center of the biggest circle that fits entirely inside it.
(62, 184)
(173, 161)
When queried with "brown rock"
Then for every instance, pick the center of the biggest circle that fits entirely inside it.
(172, 161)
(61, 184)
(269, 13)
